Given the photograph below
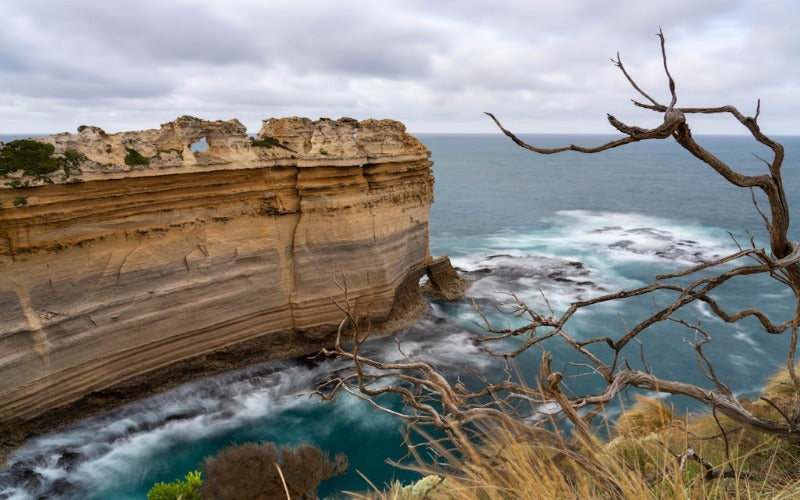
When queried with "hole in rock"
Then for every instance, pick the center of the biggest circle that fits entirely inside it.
(200, 146)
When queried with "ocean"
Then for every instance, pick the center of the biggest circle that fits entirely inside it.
(564, 227)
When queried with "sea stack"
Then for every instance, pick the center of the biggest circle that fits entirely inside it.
(139, 259)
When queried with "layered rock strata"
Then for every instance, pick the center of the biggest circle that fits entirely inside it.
(444, 283)
(144, 254)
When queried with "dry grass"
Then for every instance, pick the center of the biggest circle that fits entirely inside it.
(641, 461)
(648, 415)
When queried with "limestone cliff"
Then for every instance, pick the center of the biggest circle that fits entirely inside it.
(141, 253)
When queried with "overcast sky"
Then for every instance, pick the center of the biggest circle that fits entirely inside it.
(541, 66)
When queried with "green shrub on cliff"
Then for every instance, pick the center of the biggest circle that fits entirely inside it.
(183, 490)
(134, 158)
(267, 142)
(70, 160)
(32, 157)
(36, 159)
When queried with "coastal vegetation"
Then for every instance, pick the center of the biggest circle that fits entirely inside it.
(35, 159)
(134, 158)
(187, 489)
(267, 142)
(71, 160)
(253, 470)
(32, 157)
(650, 453)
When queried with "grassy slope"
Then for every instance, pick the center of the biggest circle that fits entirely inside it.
(643, 460)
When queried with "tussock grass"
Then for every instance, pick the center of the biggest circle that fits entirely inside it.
(642, 460)
(648, 415)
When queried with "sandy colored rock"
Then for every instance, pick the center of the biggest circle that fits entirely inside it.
(112, 271)
(444, 282)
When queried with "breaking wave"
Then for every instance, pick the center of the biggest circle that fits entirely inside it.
(582, 254)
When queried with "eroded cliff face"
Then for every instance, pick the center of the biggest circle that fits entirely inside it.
(143, 253)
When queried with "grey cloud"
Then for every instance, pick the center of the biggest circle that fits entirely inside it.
(140, 31)
(542, 64)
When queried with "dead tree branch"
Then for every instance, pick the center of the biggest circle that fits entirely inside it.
(781, 263)
(430, 399)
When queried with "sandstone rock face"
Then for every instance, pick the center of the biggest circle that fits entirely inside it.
(121, 267)
(444, 283)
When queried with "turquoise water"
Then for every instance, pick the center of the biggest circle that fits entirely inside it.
(569, 225)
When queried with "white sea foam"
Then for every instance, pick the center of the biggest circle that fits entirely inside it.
(739, 360)
(632, 237)
(582, 254)
(743, 335)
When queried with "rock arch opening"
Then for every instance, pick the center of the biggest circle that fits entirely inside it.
(199, 146)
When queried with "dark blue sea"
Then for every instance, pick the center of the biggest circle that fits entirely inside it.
(563, 227)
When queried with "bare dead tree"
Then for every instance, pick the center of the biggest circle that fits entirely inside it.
(780, 263)
(432, 400)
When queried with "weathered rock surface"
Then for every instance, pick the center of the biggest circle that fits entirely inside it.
(116, 270)
(444, 282)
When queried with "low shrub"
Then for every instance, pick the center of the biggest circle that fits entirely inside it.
(32, 157)
(183, 490)
(251, 471)
(134, 158)
(647, 416)
(267, 142)
(70, 160)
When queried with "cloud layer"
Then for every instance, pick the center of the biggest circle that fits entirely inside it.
(542, 66)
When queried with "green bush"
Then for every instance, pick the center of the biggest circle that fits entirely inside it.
(71, 160)
(20, 202)
(32, 157)
(267, 142)
(135, 158)
(183, 490)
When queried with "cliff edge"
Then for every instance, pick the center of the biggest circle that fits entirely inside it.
(131, 257)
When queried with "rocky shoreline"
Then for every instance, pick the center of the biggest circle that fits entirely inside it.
(408, 308)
